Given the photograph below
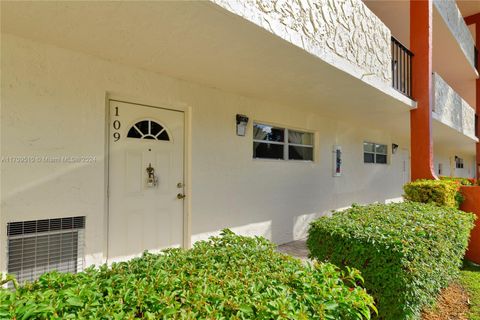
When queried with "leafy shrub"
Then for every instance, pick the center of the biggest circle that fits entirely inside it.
(441, 192)
(227, 277)
(462, 181)
(406, 251)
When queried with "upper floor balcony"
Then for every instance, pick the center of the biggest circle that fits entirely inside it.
(452, 41)
(345, 34)
(454, 62)
(454, 21)
(454, 120)
(451, 109)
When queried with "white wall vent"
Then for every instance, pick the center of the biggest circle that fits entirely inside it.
(39, 246)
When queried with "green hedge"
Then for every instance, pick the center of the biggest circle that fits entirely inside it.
(441, 192)
(462, 181)
(227, 277)
(406, 252)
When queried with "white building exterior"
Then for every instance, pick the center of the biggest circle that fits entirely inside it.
(192, 67)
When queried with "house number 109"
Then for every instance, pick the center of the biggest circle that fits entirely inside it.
(116, 125)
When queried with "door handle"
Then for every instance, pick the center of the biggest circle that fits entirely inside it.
(181, 196)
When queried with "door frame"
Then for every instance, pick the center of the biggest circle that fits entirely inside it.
(187, 164)
(405, 156)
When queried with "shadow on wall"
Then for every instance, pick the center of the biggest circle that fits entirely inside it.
(287, 226)
(281, 231)
(55, 187)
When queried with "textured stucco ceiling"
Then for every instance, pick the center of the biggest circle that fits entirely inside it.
(396, 15)
(445, 137)
(468, 7)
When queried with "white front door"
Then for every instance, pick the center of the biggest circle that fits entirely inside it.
(145, 180)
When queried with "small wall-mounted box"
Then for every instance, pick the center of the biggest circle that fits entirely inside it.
(337, 161)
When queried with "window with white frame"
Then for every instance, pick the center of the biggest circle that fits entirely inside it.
(375, 153)
(459, 163)
(271, 142)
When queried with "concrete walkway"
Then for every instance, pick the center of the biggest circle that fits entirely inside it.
(297, 249)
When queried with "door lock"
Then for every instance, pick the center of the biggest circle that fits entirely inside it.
(181, 196)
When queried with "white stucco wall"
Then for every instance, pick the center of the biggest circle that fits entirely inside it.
(446, 156)
(450, 109)
(453, 18)
(54, 104)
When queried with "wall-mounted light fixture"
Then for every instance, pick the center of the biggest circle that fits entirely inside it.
(394, 148)
(242, 121)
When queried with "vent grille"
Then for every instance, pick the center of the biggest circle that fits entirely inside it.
(39, 246)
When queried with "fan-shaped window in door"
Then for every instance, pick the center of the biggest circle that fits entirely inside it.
(148, 129)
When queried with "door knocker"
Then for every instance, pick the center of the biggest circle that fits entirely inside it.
(151, 178)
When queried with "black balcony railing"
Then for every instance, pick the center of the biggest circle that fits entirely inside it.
(475, 56)
(401, 68)
(477, 131)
